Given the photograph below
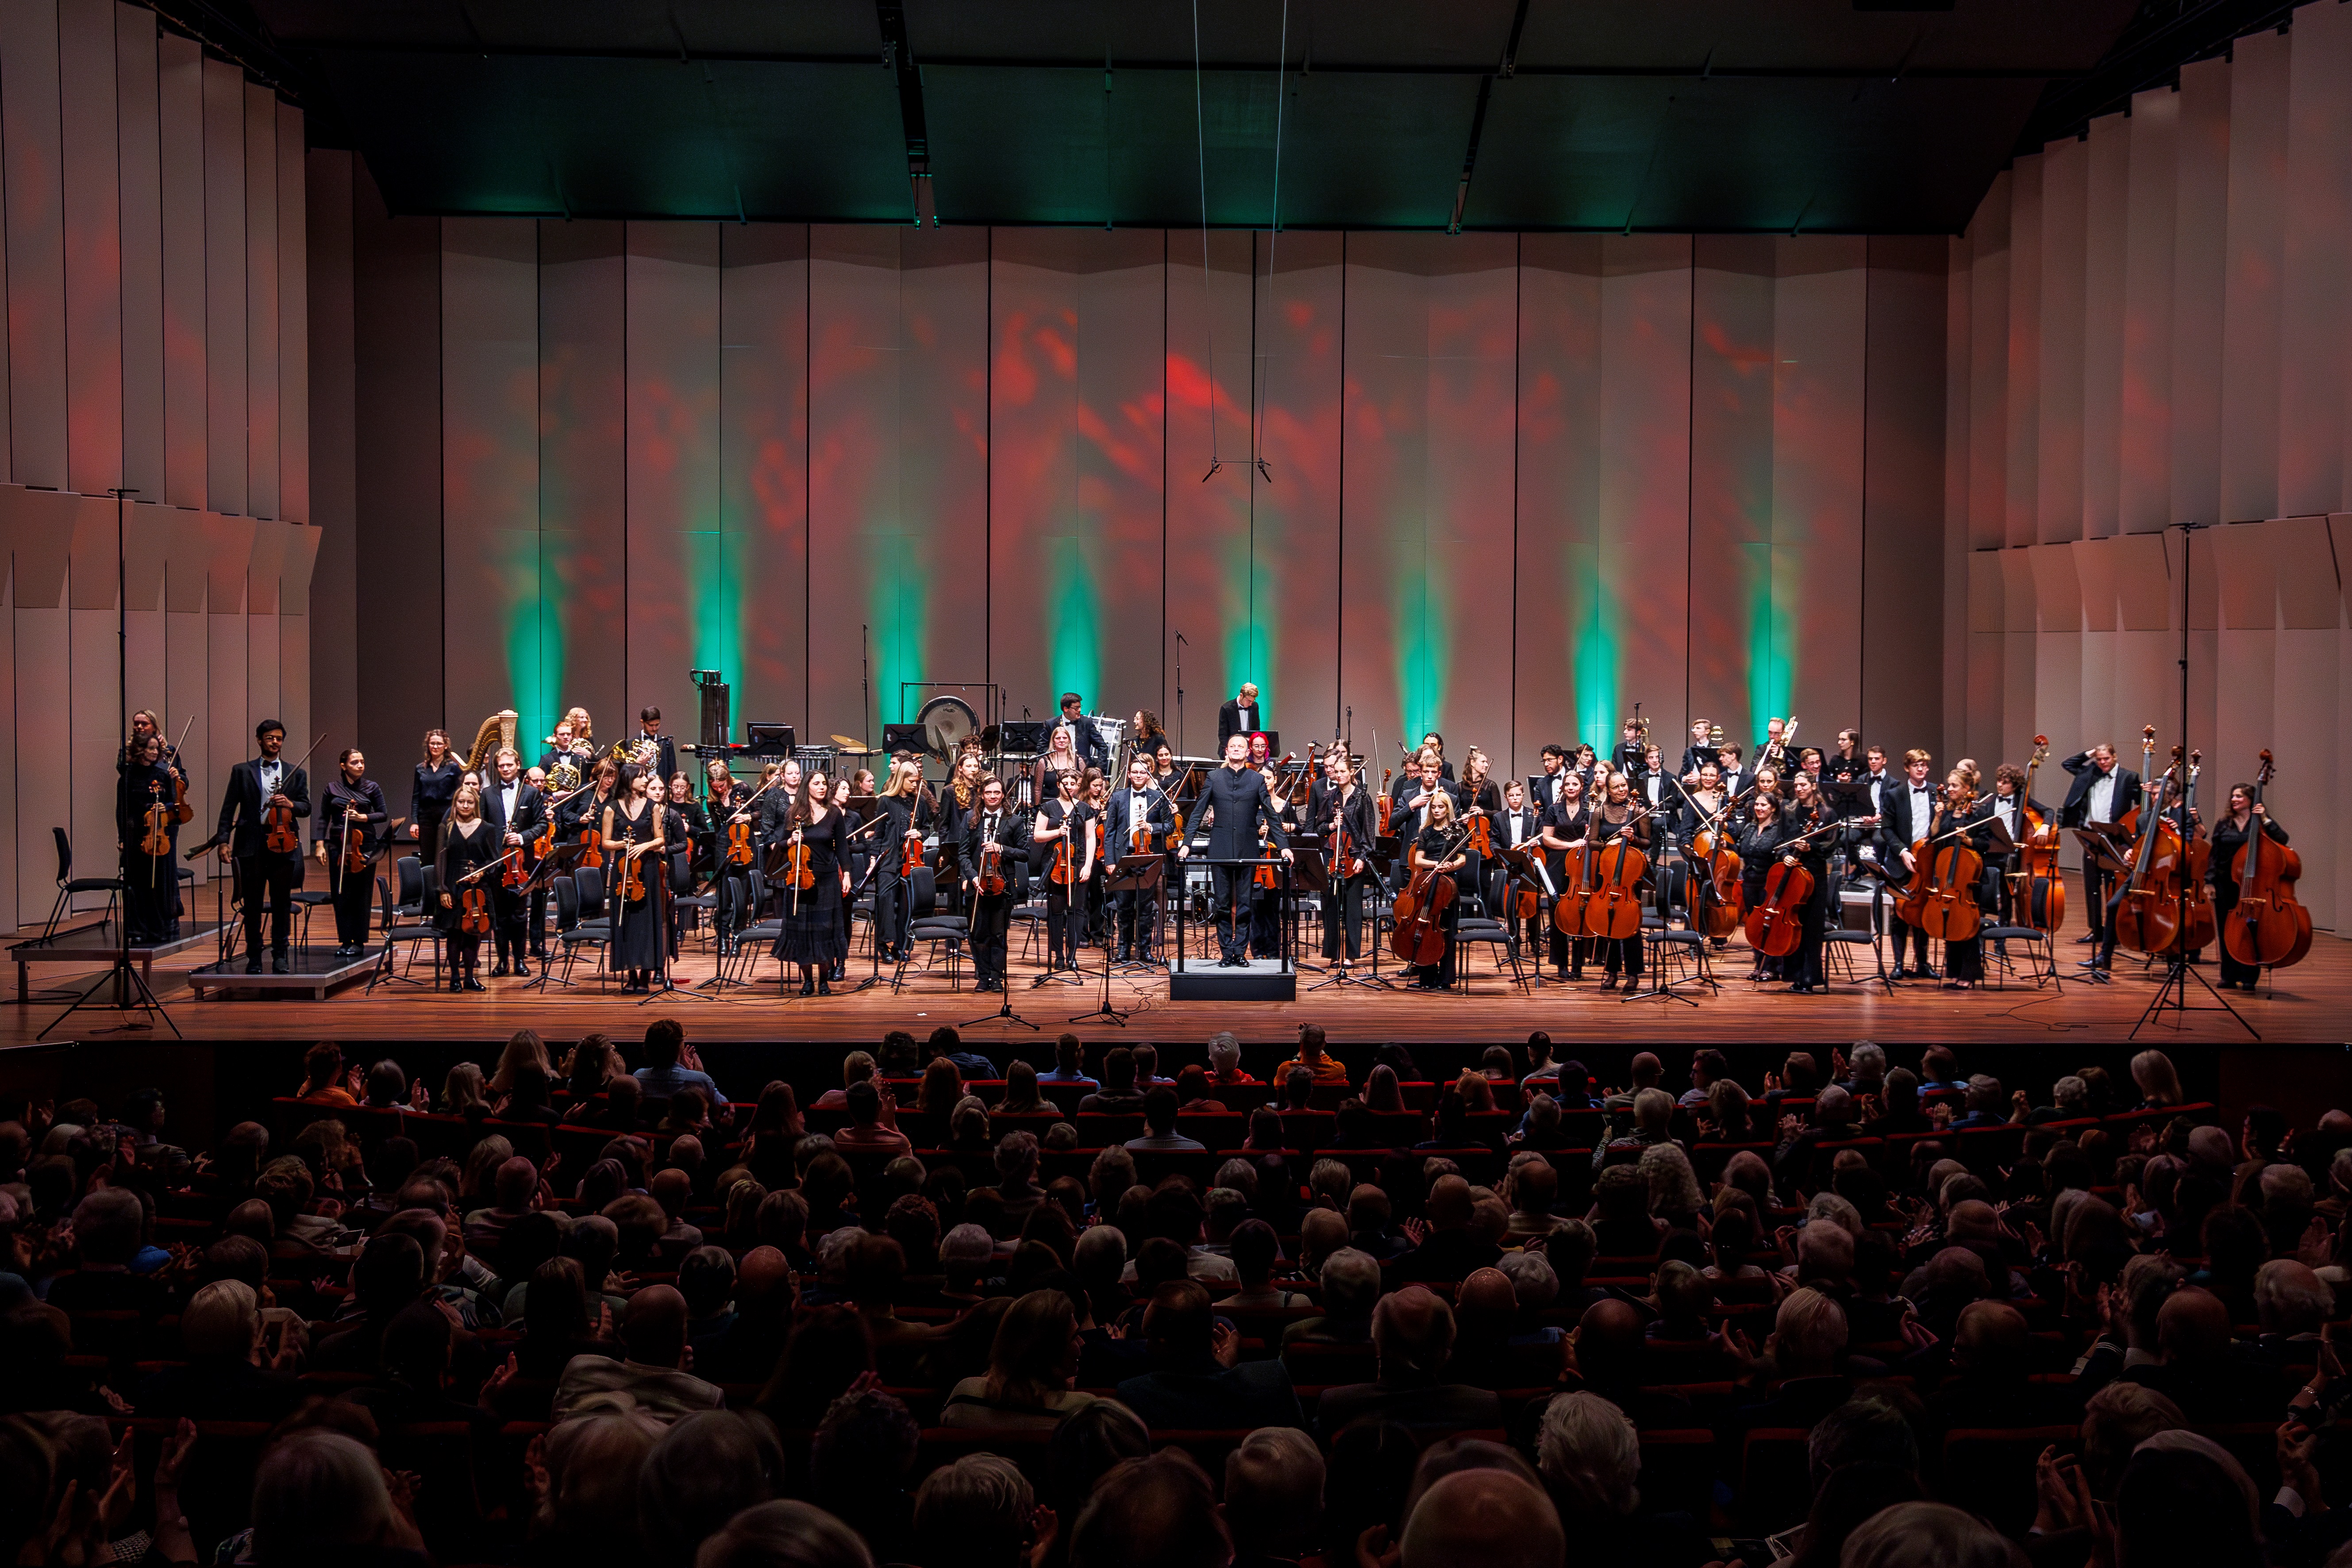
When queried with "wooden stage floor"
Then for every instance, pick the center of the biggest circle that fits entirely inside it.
(2310, 1003)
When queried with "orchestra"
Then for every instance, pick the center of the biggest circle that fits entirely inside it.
(1576, 865)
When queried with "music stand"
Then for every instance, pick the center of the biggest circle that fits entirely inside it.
(1135, 872)
(2109, 848)
(1132, 874)
(560, 858)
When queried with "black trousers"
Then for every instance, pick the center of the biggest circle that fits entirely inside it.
(150, 884)
(1910, 939)
(1231, 908)
(267, 881)
(991, 918)
(1343, 911)
(354, 893)
(1620, 955)
(1265, 921)
(464, 952)
(1065, 922)
(2098, 886)
(1139, 918)
(1098, 907)
(892, 899)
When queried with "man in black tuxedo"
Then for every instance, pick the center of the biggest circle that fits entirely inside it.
(1142, 805)
(1515, 828)
(263, 873)
(1234, 801)
(1903, 813)
(1241, 715)
(1698, 753)
(1084, 738)
(664, 747)
(1543, 788)
(992, 822)
(515, 811)
(2102, 792)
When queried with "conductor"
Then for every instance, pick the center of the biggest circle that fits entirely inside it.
(1236, 798)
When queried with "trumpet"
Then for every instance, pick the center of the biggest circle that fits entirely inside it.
(1715, 735)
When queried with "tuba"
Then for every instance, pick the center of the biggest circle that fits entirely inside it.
(497, 731)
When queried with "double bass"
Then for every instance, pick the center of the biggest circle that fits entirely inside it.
(2147, 908)
(2267, 925)
(1420, 934)
(2042, 894)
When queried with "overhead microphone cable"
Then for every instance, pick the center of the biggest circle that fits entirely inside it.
(1273, 233)
(1208, 334)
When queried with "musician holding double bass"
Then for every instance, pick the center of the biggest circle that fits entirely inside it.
(350, 800)
(2233, 831)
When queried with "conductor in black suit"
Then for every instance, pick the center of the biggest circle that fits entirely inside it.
(1241, 715)
(2102, 792)
(1236, 798)
(261, 872)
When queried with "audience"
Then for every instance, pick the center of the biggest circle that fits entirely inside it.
(645, 1323)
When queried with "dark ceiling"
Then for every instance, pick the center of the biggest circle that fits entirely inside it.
(1708, 115)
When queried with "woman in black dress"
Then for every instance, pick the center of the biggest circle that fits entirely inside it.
(1616, 820)
(149, 882)
(434, 787)
(686, 835)
(811, 915)
(632, 829)
(1759, 845)
(1565, 822)
(1439, 846)
(1963, 816)
(854, 851)
(1061, 820)
(469, 845)
(2232, 833)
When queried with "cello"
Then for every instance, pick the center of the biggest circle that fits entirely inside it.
(2043, 893)
(2267, 925)
(1777, 925)
(1942, 898)
(1420, 934)
(1575, 886)
(1612, 907)
(1715, 886)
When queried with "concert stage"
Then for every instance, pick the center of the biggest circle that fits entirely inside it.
(2306, 1005)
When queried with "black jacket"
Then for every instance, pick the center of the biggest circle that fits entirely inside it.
(2078, 793)
(242, 803)
(1012, 832)
(1235, 803)
(531, 809)
(665, 758)
(1128, 811)
(1898, 824)
(1230, 723)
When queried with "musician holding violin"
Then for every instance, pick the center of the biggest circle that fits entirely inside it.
(143, 723)
(351, 811)
(514, 811)
(147, 829)
(995, 844)
(1348, 826)
(260, 835)
(631, 838)
(1138, 817)
(899, 846)
(468, 869)
(1061, 833)
(809, 872)
(1516, 826)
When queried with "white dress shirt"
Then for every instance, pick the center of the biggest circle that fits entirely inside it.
(2102, 804)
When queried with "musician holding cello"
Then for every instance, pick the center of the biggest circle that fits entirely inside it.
(1903, 813)
(351, 809)
(1962, 819)
(259, 834)
(1440, 850)
(1619, 827)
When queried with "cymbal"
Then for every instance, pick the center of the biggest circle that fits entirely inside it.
(853, 747)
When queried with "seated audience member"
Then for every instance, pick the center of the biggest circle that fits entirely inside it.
(1160, 1124)
(652, 1375)
(1274, 1496)
(672, 1066)
(1118, 1096)
(1590, 1458)
(1198, 1378)
(1031, 1365)
(873, 1123)
(1412, 1331)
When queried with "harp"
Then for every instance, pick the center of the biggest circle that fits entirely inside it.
(498, 730)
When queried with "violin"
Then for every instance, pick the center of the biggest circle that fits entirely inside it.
(1613, 907)
(157, 840)
(355, 855)
(2043, 904)
(1942, 898)
(992, 869)
(1420, 933)
(799, 871)
(1482, 836)
(280, 833)
(516, 873)
(1265, 877)
(181, 810)
(474, 908)
(1382, 804)
(591, 848)
(911, 861)
(1096, 833)
(738, 843)
(1343, 862)
(1066, 868)
(633, 878)
(2267, 925)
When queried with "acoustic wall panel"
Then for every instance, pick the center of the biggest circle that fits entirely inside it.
(2144, 430)
(2314, 322)
(224, 257)
(1209, 586)
(2250, 294)
(261, 301)
(327, 334)
(492, 578)
(140, 173)
(2201, 247)
(93, 245)
(2026, 248)
(1556, 607)
(31, 169)
(293, 320)
(1987, 390)
(763, 467)
(1734, 365)
(1897, 659)
(685, 607)
(180, 116)
(1819, 327)
(2058, 435)
(1645, 480)
(583, 470)
(2105, 230)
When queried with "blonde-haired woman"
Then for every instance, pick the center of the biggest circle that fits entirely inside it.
(468, 849)
(1436, 849)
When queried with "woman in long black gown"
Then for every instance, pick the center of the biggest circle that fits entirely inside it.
(1438, 846)
(149, 881)
(468, 844)
(1964, 818)
(2233, 831)
(633, 826)
(812, 935)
